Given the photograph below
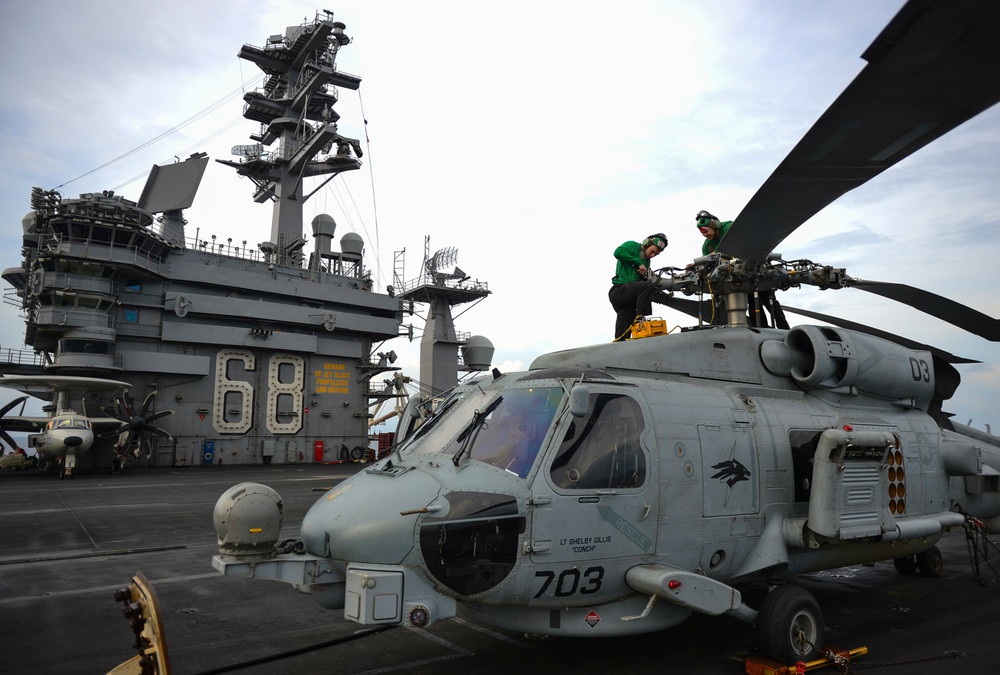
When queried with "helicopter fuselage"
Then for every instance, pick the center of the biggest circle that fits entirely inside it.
(564, 500)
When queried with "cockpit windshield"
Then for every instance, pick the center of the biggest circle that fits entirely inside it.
(503, 428)
(447, 420)
(69, 423)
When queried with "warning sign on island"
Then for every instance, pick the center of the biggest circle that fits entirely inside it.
(333, 379)
(593, 618)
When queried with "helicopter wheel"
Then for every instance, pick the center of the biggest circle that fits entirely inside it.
(789, 625)
(930, 562)
(905, 565)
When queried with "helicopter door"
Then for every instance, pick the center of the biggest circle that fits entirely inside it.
(592, 497)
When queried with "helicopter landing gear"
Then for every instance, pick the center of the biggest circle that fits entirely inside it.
(790, 625)
(930, 563)
(907, 565)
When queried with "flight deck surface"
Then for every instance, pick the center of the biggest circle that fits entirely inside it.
(66, 546)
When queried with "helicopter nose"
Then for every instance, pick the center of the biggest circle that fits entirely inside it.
(361, 519)
(72, 441)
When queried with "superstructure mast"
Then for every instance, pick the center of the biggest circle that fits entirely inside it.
(295, 109)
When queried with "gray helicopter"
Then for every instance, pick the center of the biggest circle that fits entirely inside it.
(618, 488)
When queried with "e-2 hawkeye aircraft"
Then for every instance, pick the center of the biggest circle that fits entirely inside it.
(618, 488)
(64, 434)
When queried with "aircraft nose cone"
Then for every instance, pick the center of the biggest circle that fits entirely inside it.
(359, 520)
(72, 441)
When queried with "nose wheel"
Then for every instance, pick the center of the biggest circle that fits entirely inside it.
(790, 625)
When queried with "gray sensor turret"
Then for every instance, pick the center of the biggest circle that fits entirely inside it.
(248, 518)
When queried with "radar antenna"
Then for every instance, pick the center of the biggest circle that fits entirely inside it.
(442, 285)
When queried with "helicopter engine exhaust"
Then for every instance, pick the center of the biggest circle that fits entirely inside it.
(820, 357)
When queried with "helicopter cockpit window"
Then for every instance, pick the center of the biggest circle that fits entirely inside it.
(447, 420)
(503, 428)
(509, 432)
(602, 450)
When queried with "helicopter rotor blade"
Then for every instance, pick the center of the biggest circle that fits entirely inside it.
(932, 68)
(689, 307)
(937, 306)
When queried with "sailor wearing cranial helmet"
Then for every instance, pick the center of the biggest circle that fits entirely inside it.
(714, 230)
(631, 293)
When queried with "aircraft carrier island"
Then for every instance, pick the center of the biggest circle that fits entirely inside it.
(262, 352)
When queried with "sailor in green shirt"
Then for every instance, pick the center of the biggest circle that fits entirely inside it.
(714, 230)
(632, 290)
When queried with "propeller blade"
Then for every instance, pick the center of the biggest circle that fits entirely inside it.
(120, 409)
(160, 432)
(13, 404)
(146, 403)
(932, 68)
(891, 337)
(937, 306)
(111, 433)
(144, 446)
(8, 439)
(155, 416)
(127, 405)
(130, 439)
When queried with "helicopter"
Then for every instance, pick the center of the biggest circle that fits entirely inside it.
(65, 433)
(617, 489)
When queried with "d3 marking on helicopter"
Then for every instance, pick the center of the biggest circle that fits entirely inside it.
(618, 488)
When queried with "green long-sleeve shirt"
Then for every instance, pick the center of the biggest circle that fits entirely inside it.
(629, 255)
(712, 245)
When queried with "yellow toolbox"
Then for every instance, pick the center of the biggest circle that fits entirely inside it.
(648, 327)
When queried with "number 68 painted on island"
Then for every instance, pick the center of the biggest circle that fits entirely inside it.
(238, 395)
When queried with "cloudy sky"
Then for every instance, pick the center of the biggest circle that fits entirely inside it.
(533, 136)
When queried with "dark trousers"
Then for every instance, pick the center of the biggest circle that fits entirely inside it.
(629, 301)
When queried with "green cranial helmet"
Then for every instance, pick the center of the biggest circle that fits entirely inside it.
(659, 240)
(704, 219)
